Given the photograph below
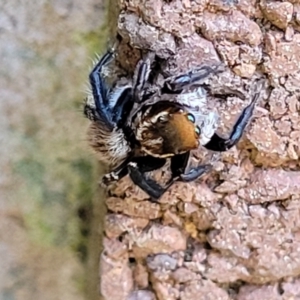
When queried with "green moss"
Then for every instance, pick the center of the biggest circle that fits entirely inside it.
(93, 41)
(55, 192)
(33, 171)
(97, 39)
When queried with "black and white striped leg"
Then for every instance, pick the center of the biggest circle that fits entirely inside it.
(140, 78)
(102, 110)
(175, 85)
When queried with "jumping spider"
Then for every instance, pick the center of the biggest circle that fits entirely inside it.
(133, 134)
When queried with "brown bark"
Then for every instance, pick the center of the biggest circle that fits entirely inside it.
(235, 234)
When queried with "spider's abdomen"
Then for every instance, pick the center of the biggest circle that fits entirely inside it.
(111, 147)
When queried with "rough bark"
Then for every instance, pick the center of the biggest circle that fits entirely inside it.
(234, 234)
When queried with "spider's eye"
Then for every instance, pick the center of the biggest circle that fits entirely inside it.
(191, 118)
(197, 130)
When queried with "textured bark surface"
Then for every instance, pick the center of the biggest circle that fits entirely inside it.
(236, 233)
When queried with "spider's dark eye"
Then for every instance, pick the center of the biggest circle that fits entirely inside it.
(191, 118)
(197, 130)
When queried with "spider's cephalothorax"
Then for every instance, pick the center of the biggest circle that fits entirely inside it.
(165, 129)
(133, 134)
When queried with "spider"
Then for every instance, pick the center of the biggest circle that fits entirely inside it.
(133, 134)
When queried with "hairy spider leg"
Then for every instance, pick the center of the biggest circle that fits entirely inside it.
(99, 90)
(141, 76)
(110, 116)
(175, 85)
(178, 167)
(220, 144)
(128, 95)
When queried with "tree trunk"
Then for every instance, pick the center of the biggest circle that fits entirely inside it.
(235, 233)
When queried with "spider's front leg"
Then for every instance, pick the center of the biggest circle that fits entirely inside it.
(137, 167)
(178, 165)
(140, 78)
(175, 85)
(220, 144)
(148, 185)
(178, 168)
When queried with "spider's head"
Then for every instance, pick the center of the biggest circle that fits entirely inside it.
(167, 129)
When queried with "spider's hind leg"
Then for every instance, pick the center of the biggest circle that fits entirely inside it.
(111, 106)
(100, 110)
(98, 87)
